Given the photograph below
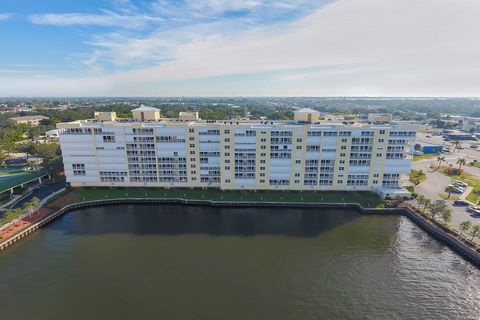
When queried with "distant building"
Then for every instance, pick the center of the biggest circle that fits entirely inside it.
(432, 149)
(31, 120)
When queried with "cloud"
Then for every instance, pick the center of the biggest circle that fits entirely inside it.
(348, 47)
(108, 19)
(5, 16)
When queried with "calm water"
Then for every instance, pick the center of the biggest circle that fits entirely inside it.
(145, 262)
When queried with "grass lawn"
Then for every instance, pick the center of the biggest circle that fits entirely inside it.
(12, 179)
(366, 199)
(471, 180)
(474, 164)
(424, 157)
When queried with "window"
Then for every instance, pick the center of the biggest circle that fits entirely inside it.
(227, 131)
(298, 161)
(227, 154)
(193, 172)
(192, 152)
(297, 181)
(343, 147)
(191, 138)
(262, 161)
(379, 155)
(227, 167)
(262, 174)
(262, 181)
(297, 174)
(263, 140)
(382, 132)
(342, 154)
(263, 155)
(108, 138)
(192, 159)
(344, 140)
(341, 168)
(299, 147)
(263, 147)
(299, 139)
(192, 145)
(191, 130)
(339, 181)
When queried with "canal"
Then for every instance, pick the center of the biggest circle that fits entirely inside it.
(173, 262)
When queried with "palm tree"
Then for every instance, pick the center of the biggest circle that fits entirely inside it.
(446, 215)
(475, 232)
(449, 189)
(440, 159)
(455, 144)
(461, 162)
(465, 226)
(437, 207)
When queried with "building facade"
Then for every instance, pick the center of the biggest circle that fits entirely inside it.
(231, 155)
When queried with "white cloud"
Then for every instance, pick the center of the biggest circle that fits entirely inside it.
(5, 16)
(109, 19)
(388, 47)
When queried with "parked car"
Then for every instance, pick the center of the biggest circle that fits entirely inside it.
(461, 203)
(456, 190)
(474, 146)
(460, 183)
(475, 211)
(428, 136)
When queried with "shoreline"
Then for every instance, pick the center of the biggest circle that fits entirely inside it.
(432, 229)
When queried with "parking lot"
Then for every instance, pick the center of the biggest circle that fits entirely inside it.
(436, 182)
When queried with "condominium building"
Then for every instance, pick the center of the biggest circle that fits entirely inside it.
(301, 154)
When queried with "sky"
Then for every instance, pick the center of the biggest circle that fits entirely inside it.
(409, 48)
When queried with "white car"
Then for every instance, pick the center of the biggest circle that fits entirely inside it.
(460, 183)
(475, 211)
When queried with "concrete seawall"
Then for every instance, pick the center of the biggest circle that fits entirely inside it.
(458, 246)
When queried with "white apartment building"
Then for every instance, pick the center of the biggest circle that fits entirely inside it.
(301, 154)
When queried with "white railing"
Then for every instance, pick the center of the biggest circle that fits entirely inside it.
(29, 212)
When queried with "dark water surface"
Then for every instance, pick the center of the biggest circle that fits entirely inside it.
(172, 262)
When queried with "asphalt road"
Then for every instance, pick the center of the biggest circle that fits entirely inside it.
(436, 181)
(43, 191)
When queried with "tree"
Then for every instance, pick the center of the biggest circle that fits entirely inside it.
(422, 202)
(437, 207)
(475, 231)
(440, 159)
(461, 162)
(465, 226)
(449, 189)
(455, 144)
(446, 215)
